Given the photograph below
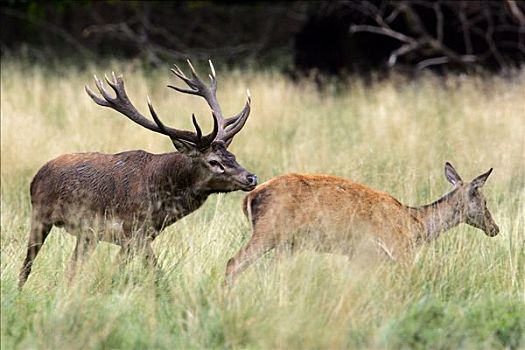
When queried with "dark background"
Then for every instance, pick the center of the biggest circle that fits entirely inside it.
(325, 38)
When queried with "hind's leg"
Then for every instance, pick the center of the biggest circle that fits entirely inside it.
(285, 250)
(37, 236)
(83, 249)
(258, 245)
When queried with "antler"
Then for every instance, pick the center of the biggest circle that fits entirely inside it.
(122, 104)
(228, 127)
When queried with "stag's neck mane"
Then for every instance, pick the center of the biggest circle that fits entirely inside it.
(183, 173)
(175, 192)
(439, 216)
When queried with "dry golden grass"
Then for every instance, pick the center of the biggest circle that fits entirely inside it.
(464, 290)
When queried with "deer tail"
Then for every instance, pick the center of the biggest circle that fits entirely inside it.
(247, 208)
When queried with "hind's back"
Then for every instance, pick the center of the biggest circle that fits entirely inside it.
(324, 204)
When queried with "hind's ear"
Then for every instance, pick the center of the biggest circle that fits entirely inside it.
(480, 180)
(452, 175)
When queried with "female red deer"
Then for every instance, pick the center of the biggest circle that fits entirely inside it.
(333, 214)
(128, 198)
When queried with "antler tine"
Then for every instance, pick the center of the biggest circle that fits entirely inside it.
(213, 85)
(178, 72)
(100, 86)
(193, 72)
(247, 105)
(94, 97)
(198, 84)
(197, 127)
(237, 123)
(185, 91)
(178, 142)
(122, 104)
(213, 78)
(213, 135)
(197, 87)
(115, 84)
(227, 128)
(200, 142)
(156, 119)
(212, 69)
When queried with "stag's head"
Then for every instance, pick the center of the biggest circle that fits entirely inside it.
(471, 202)
(218, 167)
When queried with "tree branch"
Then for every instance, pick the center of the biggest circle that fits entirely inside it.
(382, 31)
(50, 27)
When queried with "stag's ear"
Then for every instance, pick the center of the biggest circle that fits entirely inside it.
(217, 145)
(480, 180)
(452, 175)
(185, 147)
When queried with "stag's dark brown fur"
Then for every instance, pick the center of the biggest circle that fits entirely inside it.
(75, 187)
(128, 198)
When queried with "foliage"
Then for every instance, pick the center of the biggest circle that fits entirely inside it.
(331, 37)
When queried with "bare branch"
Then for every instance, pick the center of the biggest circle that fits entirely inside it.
(516, 12)
(432, 62)
(439, 21)
(382, 31)
(465, 29)
(403, 50)
(51, 28)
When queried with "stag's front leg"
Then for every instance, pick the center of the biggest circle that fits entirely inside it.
(125, 254)
(85, 246)
(149, 255)
(134, 246)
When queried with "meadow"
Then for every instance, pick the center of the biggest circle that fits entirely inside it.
(464, 290)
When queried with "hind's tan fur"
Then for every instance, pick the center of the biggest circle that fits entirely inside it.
(332, 214)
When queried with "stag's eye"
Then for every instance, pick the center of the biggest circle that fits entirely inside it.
(216, 164)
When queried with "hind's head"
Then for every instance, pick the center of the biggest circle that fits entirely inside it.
(471, 201)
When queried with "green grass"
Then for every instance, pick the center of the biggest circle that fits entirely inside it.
(464, 290)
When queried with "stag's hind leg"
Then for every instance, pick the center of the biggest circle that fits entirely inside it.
(84, 247)
(37, 236)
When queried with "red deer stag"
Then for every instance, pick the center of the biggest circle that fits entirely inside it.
(128, 198)
(332, 214)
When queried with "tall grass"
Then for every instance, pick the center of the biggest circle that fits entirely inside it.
(463, 290)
